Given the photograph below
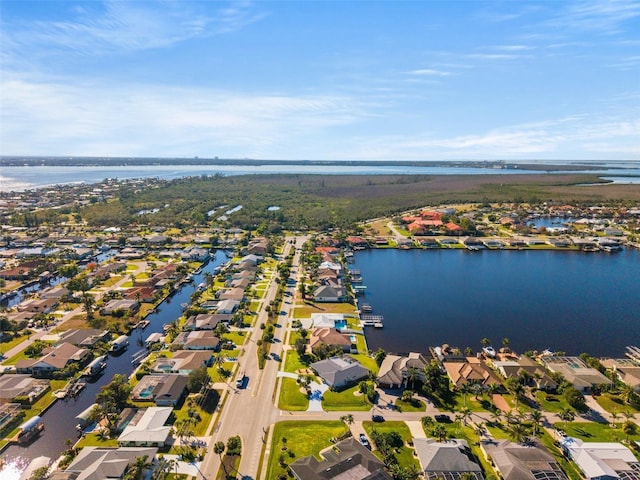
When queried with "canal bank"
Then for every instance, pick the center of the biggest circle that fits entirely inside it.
(60, 419)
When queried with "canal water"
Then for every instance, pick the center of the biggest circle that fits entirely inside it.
(565, 301)
(60, 419)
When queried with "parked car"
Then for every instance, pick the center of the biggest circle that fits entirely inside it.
(443, 418)
(364, 441)
(377, 418)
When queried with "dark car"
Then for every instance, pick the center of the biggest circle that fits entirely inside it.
(377, 418)
(443, 418)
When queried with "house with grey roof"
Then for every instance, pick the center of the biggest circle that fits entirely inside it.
(346, 460)
(166, 390)
(326, 293)
(12, 386)
(516, 461)
(101, 463)
(183, 361)
(576, 372)
(394, 370)
(451, 460)
(341, 371)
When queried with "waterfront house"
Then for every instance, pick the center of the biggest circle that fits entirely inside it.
(526, 366)
(625, 369)
(347, 459)
(327, 320)
(38, 305)
(206, 321)
(576, 372)
(166, 390)
(183, 361)
(197, 340)
(25, 386)
(452, 459)
(522, 462)
(251, 259)
(228, 306)
(55, 292)
(115, 307)
(395, 369)
(232, 294)
(84, 337)
(325, 293)
(602, 460)
(472, 371)
(141, 294)
(147, 428)
(102, 463)
(53, 359)
(339, 372)
(329, 337)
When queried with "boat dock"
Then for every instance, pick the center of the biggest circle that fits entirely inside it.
(372, 321)
(633, 353)
(359, 289)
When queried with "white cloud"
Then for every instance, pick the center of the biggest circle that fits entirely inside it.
(429, 72)
(603, 16)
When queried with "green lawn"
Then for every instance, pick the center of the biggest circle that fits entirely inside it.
(303, 438)
(6, 346)
(551, 403)
(292, 362)
(367, 362)
(613, 403)
(310, 307)
(94, 440)
(236, 337)
(595, 432)
(345, 400)
(405, 454)
(291, 398)
(416, 406)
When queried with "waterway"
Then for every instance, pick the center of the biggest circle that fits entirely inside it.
(60, 420)
(566, 301)
(14, 178)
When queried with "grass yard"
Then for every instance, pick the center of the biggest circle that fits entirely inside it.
(595, 432)
(405, 453)
(205, 412)
(310, 307)
(302, 439)
(292, 362)
(366, 361)
(6, 346)
(95, 440)
(612, 403)
(345, 400)
(415, 406)
(291, 398)
(551, 403)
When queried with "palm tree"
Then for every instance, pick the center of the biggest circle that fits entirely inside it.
(412, 375)
(505, 344)
(629, 428)
(465, 414)
(496, 415)
(518, 431)
(218, 449)
(465, 390)
(348, 419)
(485, 342)
(536, 419)
(614, 417)
(440, 431)
(480, 429)
(509, 417)
(567, 415)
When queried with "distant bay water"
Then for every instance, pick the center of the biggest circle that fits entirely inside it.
(18, 178)
(564, 301)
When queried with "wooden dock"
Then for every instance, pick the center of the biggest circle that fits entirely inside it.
(372, 321)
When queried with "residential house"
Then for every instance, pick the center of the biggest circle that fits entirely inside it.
(53, 359)
(602, 460)
(473, 370)
(329, 337)
(228, 306)
(232, 294)
(625, 369)
(347, 459)
(101, 463)
(147, 428)
(116, 306)
(166, 390)
(38, 305)
(452, 460)
(251, 259)
(183, 361)
(197, 340)
(206, 321)
(55, 292)
(326, 293)
(576, 372)
(84, 337)
(341, 371)
(522, 462)
(395, 370)
(528, 367)
(12, 386)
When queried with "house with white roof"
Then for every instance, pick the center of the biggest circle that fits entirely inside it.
(602, 460)
(148, 429)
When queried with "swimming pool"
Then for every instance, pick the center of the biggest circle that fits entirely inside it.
(353, 339)
(340, 324)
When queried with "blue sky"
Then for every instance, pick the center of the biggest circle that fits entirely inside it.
(408, 80)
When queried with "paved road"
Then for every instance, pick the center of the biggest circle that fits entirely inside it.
(250, 411)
